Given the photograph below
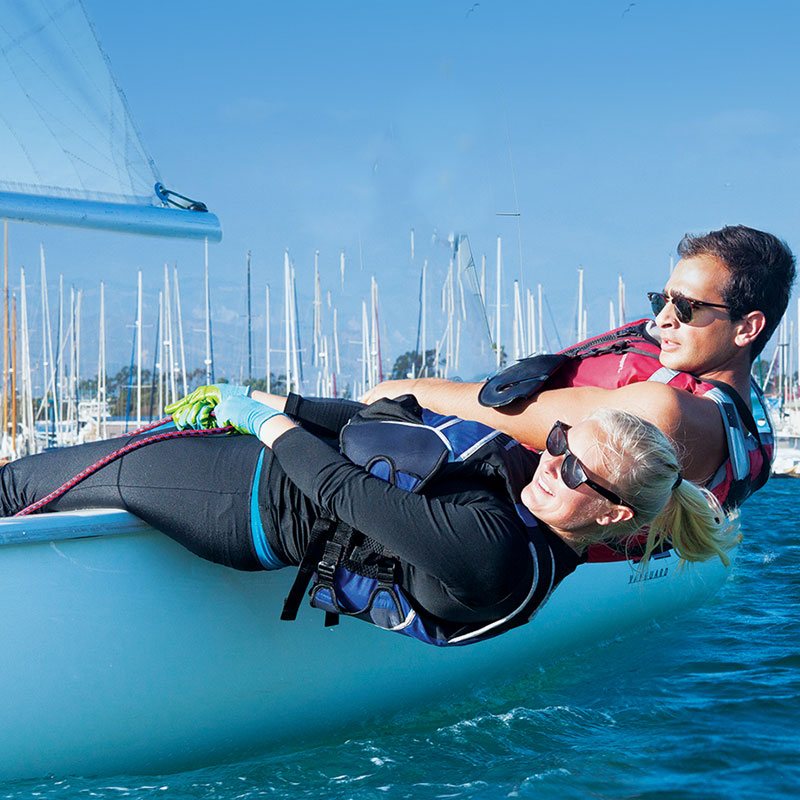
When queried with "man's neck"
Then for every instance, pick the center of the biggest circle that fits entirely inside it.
(736, 377)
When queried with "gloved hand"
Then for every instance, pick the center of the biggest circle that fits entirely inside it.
(194, 410)
(245, 414)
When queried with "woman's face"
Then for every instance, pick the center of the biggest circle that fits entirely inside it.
(553, 502)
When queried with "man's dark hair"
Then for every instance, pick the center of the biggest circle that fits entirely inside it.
(762, 271)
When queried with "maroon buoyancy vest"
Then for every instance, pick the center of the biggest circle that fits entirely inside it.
(630, 354)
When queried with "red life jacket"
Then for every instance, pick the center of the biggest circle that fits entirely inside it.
(629, 354)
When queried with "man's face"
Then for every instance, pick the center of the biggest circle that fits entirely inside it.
(705, 344)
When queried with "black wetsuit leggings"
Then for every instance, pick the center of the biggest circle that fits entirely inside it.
(196, 490)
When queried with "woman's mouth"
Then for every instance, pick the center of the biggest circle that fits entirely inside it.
(543, 488)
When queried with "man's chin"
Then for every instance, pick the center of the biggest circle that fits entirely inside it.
(671, 360)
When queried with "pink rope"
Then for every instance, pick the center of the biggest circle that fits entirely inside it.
(113, 456)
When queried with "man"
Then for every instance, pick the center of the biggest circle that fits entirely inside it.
(723, 301)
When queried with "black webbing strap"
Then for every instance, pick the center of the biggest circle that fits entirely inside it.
(333, 554)
(320, 535)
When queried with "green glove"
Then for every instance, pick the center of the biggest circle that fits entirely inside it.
(194, 410)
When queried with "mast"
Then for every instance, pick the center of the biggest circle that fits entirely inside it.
(28, 423)
(48, 365)
(77, 339)
(297, 357)
(170, 363)
(497, 340)
(531, 309)
(287, 320)
(620, 300)
(14, 374)
(249, 324)
(5, 328)
(139, 351)
(156, 349)
(160, 352)
(366, 381)
(377, 367)
(209, 359)
(268, 343)
(519, 331)
(72, 417)
(540, 316)
(179, 313)
(336, 344)
(102, 425)
(581, 335)
(317, 325)
(424, 320)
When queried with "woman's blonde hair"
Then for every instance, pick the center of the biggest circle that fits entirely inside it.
(644, 468)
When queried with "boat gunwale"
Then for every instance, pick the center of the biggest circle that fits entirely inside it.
(66, 525)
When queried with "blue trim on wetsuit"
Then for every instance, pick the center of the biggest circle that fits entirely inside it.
(264, 552)
(166, 426)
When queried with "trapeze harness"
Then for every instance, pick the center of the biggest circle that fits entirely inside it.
(629, 354)
(407, 446)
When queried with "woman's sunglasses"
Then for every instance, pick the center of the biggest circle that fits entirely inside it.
(572, 472)
(684, 306)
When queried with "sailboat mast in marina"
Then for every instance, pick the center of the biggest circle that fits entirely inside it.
(498, 294)
(249, 324)
(181, 343)
(139, 349)
(102, 417)
(268, 342)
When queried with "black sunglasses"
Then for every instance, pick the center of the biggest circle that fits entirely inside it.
(684, 306)
(572, 471)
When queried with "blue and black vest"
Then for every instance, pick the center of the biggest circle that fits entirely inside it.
(408, 446)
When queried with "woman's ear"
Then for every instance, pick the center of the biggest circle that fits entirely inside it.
(614, 515)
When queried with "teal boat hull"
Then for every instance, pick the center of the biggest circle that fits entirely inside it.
(124, 653)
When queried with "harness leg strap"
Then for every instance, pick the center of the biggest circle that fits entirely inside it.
(320, 533)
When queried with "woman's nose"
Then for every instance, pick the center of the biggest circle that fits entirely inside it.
(551, 464)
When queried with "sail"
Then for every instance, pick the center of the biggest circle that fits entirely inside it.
(70, 152)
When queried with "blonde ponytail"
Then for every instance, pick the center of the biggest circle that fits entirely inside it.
(693, 520)
(645, 468)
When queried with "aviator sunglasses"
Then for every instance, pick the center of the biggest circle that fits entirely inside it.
(572, 472)
(684, 306)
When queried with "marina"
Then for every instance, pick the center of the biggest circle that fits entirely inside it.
(369, 234)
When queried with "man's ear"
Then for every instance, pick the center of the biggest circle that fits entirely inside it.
(615, 514)
(749, 327)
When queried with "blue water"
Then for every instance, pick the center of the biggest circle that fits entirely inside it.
(706, 707)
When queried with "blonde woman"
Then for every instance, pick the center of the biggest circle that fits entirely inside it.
(449, 545)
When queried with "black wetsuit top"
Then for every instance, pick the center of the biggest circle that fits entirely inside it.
(462, 547)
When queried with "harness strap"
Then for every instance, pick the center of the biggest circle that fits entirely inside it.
(663, 375)
(749, 422)
(321, 532)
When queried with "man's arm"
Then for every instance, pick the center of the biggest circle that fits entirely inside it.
(693, 422)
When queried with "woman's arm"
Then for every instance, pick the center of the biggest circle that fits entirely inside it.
(467, 546)
(321, 416)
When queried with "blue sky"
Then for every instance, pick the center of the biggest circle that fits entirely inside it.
(611, 127)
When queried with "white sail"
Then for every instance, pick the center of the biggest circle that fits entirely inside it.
(70, 153)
